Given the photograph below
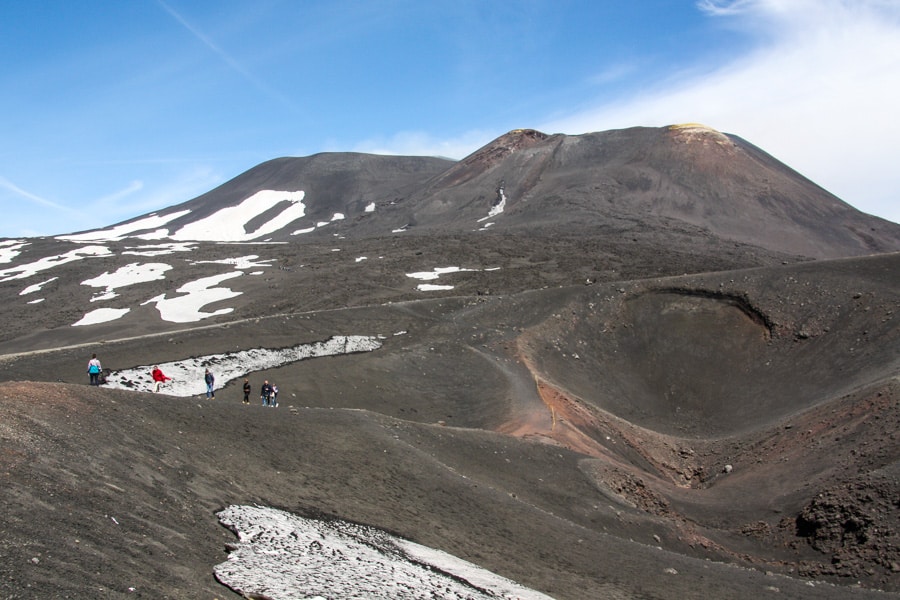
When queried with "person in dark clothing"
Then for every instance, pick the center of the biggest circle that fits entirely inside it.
(247, 390)
(265, 393)
(210, 385)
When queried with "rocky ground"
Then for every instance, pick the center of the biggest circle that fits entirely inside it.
(638, 384)
(557, 436)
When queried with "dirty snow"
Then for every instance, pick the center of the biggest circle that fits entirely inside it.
(284, 556)
(436, 272)
(187, 374)
(497, 208)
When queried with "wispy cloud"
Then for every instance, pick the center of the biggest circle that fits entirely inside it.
(170, 191)
(10, 186)
(819, 91)
(119, 195)
(227, 58)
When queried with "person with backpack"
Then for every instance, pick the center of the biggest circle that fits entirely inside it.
(94, 369)
(247, 390)
(210, 385)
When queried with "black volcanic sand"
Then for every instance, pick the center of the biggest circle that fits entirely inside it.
(106, 491)
(614, 440)
(319, 275)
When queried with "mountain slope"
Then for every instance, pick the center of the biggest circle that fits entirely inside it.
(692, 174)
(600, 365)
(716, 412)
(688, 179)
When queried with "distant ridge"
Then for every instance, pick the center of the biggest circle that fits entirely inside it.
(713, 183)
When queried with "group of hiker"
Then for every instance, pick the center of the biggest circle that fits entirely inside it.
(268, 393)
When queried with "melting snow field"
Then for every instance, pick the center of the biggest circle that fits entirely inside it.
(284, 556)
(185, 305)
(434, 274)
(187, 374)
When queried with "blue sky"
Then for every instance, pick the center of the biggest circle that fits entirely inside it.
(115, 109)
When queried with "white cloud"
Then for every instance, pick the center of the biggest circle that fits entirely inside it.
(419, 143)
(117, 196)
(819, 92)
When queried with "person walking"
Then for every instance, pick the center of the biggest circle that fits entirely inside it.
(158, 378)
(210, 385)
(274, 395)
(247, 390)
(265, 393)
(94, 369)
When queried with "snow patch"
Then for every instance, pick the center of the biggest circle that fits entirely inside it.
(284, 556)
(199, 293)
(497, 208)
(187, 374)
(9, 249)
(120, 232)
(101, 315)
(125, 276)
(151, 250)
(48, 262)
(228, 224)
(434, 274)
(241, 262)
(36, 287)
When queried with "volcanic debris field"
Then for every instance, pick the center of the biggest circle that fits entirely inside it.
(647, 363)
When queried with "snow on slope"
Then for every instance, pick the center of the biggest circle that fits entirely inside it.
(187, 374)
(29, 269)
(120, 232)
(227, 224)
(286, 557)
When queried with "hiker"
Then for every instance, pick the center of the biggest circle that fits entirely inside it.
(274, 395)
(94, 369)
(247, 390)
(265, 393)
(158, 378)
(210, 385)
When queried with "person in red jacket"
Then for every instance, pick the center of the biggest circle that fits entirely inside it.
(159, 378)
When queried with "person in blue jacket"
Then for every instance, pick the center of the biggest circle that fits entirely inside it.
(94, 369)
(210, 385)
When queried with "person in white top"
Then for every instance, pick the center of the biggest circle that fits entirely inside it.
(94, 369)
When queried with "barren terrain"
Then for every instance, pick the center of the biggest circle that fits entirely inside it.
(637, 406)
